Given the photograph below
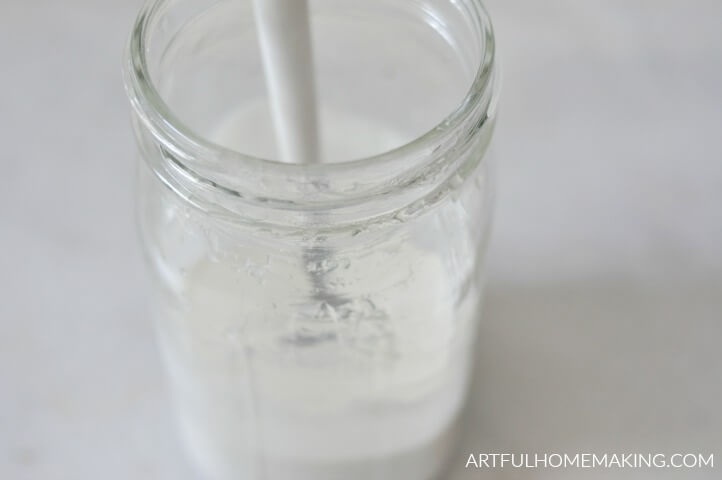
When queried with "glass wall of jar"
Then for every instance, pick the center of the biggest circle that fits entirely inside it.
(316, 321)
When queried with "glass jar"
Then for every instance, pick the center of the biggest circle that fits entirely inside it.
(316, 321)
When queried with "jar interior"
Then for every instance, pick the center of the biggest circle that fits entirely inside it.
(386, 72)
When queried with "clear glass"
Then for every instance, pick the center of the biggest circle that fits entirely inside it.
(317, 322)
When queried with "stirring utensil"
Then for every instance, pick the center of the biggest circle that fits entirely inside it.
(285, 38)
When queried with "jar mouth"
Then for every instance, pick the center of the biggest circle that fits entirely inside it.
(275, 184)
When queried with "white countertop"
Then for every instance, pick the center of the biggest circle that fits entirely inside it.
(603, 325)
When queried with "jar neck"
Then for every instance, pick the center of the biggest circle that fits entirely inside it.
(389, 187)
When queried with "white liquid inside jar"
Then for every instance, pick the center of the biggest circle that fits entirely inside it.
(371, 380)
(282, 400)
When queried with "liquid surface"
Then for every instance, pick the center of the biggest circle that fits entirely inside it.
(343, 137)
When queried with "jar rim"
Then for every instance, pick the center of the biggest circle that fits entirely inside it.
(183, 145)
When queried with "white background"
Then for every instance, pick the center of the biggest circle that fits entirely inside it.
(603, 324)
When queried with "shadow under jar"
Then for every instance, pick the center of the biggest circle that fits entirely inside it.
(316, 321)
